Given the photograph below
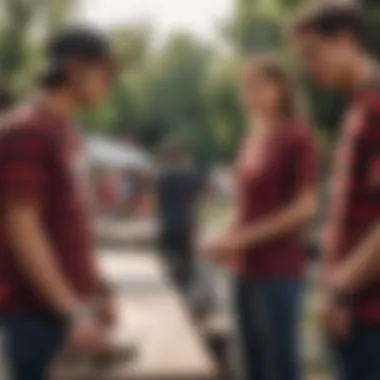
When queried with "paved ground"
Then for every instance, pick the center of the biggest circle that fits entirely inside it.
(153, 317)
(130, 233)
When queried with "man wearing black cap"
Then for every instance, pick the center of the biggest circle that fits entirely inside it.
(47, 266)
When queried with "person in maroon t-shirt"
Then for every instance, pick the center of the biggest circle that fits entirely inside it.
(331, 41)
(47, 266)
(276, 177)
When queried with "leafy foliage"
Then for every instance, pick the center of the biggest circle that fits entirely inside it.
(21, 21)
(184, 87)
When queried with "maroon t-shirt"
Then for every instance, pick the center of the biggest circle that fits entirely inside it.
(271, 171)
(355, 192)
(41, 160)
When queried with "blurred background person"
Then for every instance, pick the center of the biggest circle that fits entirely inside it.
(331, 39)
(276, 176)
(178, 189)
(48, 274)
(111, 191)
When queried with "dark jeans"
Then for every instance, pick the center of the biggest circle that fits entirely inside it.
(31, 343)
(178, 254)
(359, 357)
(267, 325)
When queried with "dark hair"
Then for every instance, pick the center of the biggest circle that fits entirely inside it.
(328, 18)
(75, 43)
(52, 76)
(275, 70)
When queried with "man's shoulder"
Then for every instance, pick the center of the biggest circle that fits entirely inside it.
(26, 122)
(26, 130)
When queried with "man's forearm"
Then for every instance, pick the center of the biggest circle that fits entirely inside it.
(36, 260)
(363, 265)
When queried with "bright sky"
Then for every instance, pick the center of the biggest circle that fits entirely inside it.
(198, 16)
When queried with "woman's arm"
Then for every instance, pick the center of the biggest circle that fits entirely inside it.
(299, 210)
(292, 216)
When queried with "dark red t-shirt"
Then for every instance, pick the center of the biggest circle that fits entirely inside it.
(271, 171)
(41, 160)
(355, 192)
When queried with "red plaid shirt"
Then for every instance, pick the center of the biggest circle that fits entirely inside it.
(271, 173)
(40, 160)
(355, 191)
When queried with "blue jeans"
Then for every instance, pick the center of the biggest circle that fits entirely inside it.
(358, 358)
(267, 325)
(30, 344)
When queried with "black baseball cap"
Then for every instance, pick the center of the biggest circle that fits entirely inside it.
(80, 43)
(76, 43)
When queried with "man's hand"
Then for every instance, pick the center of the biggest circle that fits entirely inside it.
(107, 311)
(88, 335)
(335, 318)
(333, 306)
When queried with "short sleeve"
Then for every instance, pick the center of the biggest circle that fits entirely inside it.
(23, 165)
(306, 162)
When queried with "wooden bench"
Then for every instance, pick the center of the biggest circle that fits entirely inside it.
(153, 317)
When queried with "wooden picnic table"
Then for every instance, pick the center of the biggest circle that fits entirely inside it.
(155, 319)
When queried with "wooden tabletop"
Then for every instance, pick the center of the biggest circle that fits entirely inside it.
(153, 317)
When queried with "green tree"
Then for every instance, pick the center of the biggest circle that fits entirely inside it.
(122, 111)
(163, 94)
(224, 111)
(22, 22)
(255, 26)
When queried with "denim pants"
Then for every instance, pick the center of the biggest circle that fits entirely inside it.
(358, 358)
(29, 345)
(267, 314)
(178, 253)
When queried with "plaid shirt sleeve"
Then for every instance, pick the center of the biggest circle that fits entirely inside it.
(23, 165)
